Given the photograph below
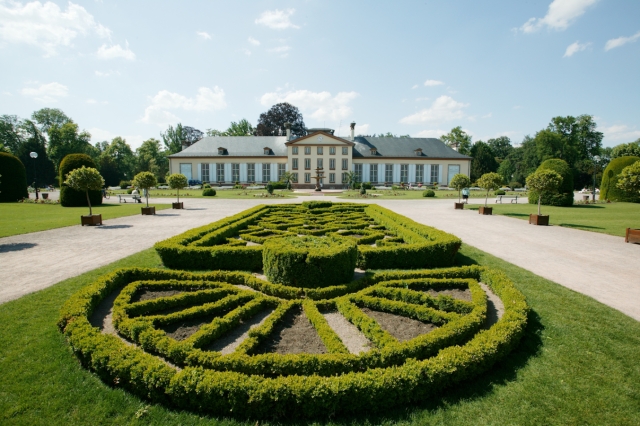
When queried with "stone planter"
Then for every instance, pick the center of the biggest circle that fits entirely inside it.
(459, 206)
(179, 205)
(632, 236)
(148, 210)
(535, 219)
(91, 220)
(485, 210)
(45, 195)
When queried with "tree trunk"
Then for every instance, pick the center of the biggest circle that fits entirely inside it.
(539, 199)
(458, 196)
(486, 199)
(147, 198)
(178, 194)
(89, 202)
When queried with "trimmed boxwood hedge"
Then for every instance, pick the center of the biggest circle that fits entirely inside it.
(400, 242)
(13, 179)
(271, 385)
(608, 188)
(69, 197)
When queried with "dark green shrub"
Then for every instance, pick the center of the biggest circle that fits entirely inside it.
(395, 188)
(269, 188)
(205, 186)
(316, 204)
(308, 261)
(70, 197)
(608, 188)
(124, 184)
(13, 179)
(363, 191)
(514, 185)
(564, 196)
(288, 185)
(209, 192)
(278, 185)
(428, 193)
(499, 192)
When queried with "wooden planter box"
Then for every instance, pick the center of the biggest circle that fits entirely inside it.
(179, 205)
(485, 210)
(459, 206)
(44, 195)
(535, 219)
(91, 220)
(633, 236)
(148, 210)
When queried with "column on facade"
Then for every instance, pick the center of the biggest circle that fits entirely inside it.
(243, 172)
(396, 172)
(441, 177)
(227, 172)
(412, 172)
(274, 172)
(199, 171)
(258, 177)
(366, 172)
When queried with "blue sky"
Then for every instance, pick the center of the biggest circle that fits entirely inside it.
(131, 68)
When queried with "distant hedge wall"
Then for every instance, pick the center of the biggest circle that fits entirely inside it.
(608, 188)
(69, 197)
(13, 179)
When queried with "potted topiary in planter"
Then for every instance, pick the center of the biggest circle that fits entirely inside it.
(86, 179)
(489, 181)
(543, 181)
(459, 182)
(629, 182)
(146, 180)
(177, 181)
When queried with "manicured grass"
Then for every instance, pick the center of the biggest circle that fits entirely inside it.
(417, 194)
(578, 363)
(22, 218)
(197, 193)
(612, 219)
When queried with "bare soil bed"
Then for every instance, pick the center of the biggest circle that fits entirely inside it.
(293, 335)
(184, 329)
(151, 295)
(231, 340)
(456, 293)
(402, 328)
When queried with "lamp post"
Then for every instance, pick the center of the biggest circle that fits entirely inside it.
(34, 155)
(596, 159)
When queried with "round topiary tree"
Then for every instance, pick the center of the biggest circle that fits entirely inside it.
(543, 182)
(609, 189)
(69, 197)
(269, 188)
(428, 193)
(489, 181)
(85, 179)
(563, 197)
(459, 182)
(13, 186)
(177, 181)
(145, 180)
(209, 192)
(629, 180)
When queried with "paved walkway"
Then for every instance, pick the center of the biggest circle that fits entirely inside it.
(598, 265)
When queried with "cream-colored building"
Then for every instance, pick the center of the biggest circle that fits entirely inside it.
(260, 159)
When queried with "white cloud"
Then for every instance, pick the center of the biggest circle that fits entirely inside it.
(254, 41)
(277, 19)
(620, 133)
(575, 48)
(159, 112)
(361, 129)
(91, 101)
(46, 93)
(99, 135)
(443, 109)
(283, 51)
(560, 15)
(115, 51)
(204, 35)
(45, 25)
(620, 41)
(430, 83)
(317, 105)
(430, 133)
(415, 86)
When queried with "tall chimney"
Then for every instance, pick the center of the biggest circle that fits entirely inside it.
(353, 130)
(287, 126)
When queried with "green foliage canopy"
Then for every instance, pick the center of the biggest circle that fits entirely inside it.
(177, 181)
(458, 138)
(609, 189)
(460, 181)
(629, 179)
(145, 180)
(544, 181)
(85, 179)
(489, 181)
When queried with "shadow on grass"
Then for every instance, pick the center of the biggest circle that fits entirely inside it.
(114, 226)
(6, 248)
(517, 214)
(573, 225)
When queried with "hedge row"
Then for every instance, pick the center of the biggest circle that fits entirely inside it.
(261, 396)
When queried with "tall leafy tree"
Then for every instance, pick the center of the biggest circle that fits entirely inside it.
(122, 155)
(271, 123)
(483, 161)
(9, 132)
(501, 146)
(191, 135)
(458, 138)
(626, 149)
(180, 135)
(47, 118)
(41, 169)
(67, 139)
(241, 128)
(151, 158)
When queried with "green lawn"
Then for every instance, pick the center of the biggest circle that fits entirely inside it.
(578, 363)
(197, 193)
(415, 194)
(22, 218)
(612, 219)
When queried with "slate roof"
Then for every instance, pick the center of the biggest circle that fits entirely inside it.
(403, 147)
(236, 146)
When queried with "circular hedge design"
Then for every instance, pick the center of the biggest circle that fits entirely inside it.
(309, 261)
(205, 341)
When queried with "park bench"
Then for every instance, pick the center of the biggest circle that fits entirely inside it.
(122, 198)
(511, 198)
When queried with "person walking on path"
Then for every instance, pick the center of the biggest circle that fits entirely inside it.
(465, 195)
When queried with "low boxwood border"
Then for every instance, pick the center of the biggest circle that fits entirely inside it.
(233, 393)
